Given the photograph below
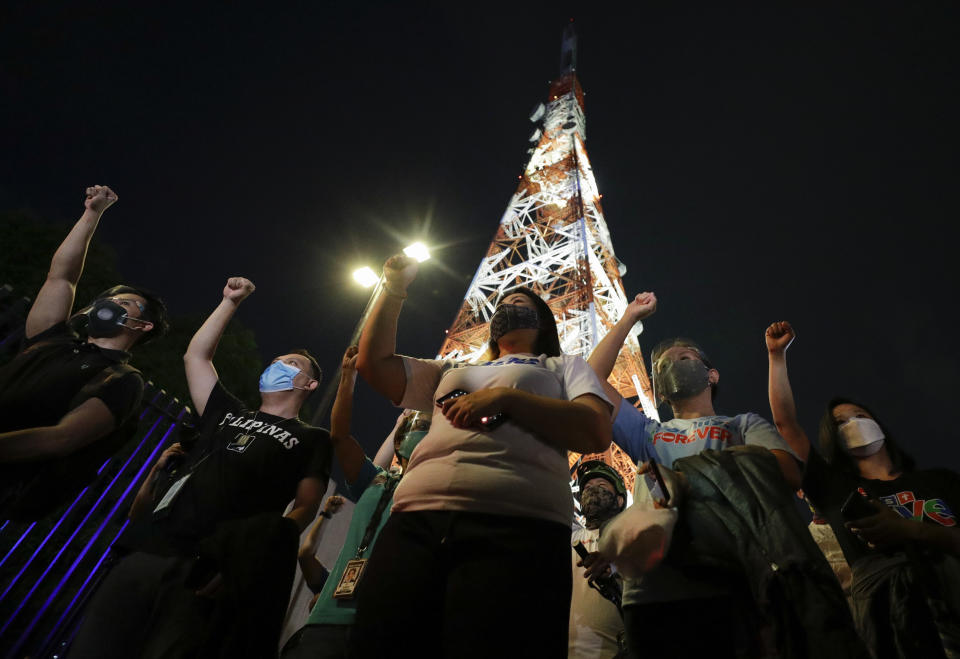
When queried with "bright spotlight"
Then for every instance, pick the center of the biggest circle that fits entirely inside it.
(417, 251)
(365, 277)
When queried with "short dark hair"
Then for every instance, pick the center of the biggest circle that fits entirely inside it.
(831, 447)
(155, 310)
(548, 339)
(682, 342)
(314, 364)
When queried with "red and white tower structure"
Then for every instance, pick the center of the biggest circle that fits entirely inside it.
(553, 238)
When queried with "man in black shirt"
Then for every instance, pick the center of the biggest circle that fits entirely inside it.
(246, 466)
(66, 403)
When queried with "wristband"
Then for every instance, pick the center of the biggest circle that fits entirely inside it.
(326, 513)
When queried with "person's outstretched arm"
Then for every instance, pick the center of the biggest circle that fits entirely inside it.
(778, 337)
(348, 451)
(198, 360)
(314, 574)
(604, 356)
(377, 360)
(55, 299)
(82, 425)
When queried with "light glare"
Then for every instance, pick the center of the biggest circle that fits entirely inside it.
(417, 251)
(365, 277)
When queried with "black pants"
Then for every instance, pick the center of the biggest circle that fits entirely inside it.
(453, 584)
(319, 642)
(697, 628)
(142, 609)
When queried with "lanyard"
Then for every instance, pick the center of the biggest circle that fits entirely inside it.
(388, 489)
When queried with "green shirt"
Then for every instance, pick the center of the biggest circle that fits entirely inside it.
(330, 611)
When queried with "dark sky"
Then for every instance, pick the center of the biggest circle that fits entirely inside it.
(757, 164)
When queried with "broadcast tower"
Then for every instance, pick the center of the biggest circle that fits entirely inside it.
(553, 239)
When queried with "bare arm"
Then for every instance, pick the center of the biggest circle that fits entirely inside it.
(779, 336)
(146, 495)
(348, 451)
(377, 360)
(604, 356)
(313, 571)
(198, 360)
(84, 424)
(887, 529)
(55, 299)
(581, 424)
(939, 537)
(309, 493)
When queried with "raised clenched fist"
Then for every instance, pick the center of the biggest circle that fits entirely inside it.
(398, 272)
(349, 362)
(643, 305)
(99, 198)
(237, 289)
(779, 336)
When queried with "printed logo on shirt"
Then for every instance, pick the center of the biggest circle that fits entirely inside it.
(910, 507)
(716, 433)
(513, 360)
(251, 426)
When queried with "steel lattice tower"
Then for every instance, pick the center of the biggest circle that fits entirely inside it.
(553, 238)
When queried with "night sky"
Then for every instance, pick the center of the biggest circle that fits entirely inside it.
(757, 164)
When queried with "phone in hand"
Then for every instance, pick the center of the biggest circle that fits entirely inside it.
(487, 423)
(856, 506)
(580, 549)
(653, 479)
(450, 395)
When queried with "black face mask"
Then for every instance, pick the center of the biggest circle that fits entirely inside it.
(105, 319)
(598, 505)
(683, 378)
(509, 317)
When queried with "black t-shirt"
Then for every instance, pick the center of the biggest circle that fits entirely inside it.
(54, 373)
(244, 463)
(929, 496)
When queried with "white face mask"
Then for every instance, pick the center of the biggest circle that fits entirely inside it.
(861, 437)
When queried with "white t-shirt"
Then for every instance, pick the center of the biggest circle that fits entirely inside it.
(506, 471)
(595, 621)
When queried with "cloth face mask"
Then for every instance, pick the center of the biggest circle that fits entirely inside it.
(861, 437)
(683, 378)
(509, 317)
(409, 442)
(278, 377)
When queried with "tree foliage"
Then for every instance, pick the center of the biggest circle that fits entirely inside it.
(26, 246)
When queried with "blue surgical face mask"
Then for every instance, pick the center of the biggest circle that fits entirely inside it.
(278, 377)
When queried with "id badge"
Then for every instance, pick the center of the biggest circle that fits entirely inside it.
(350, 578)
(170, 495)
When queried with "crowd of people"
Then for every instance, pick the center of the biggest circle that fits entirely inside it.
(474, 543)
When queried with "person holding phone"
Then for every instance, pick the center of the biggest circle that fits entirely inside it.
(897, 525)
(481, 521)
(596, 626)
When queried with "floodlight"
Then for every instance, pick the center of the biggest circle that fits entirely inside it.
(365, 277)
(417, 251)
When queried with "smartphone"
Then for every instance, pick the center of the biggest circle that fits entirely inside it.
(654, 482)
(487, 423)
(856, 506)
(456, 393)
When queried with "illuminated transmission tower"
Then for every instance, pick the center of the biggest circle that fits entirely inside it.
(553, 238)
